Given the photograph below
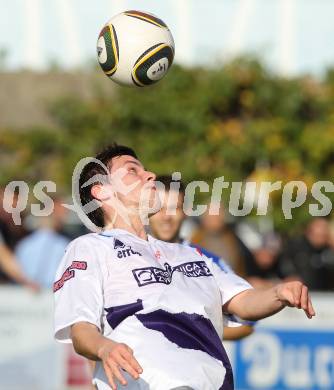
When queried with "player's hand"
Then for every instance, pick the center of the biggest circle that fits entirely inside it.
(295, 294)
(32, 286)
(115, 358)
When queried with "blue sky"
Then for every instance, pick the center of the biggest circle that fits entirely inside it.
(293, 36)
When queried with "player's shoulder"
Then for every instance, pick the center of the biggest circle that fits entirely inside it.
(89, 240)
(214, 257)
(205, 252)
(181, 249)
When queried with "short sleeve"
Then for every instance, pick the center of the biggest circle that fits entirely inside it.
(78, 288)
(229, 285)
(224, 266)
(228, 282)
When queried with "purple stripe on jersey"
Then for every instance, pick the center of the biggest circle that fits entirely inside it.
(117, 314)
(191, 331)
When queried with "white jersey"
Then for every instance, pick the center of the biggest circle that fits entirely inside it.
(163, 300)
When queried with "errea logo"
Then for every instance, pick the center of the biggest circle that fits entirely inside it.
(123, 250)
(118, 244)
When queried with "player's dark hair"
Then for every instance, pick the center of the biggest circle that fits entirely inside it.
(167, 181)
(92, 169)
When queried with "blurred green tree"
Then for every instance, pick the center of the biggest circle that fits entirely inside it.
(238, 121)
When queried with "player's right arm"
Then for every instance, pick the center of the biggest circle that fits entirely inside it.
(88, 341)
(79, 303)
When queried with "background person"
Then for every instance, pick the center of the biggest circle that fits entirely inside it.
(166, 225)
(11, 269)
(11, 234)
(262, 269)
(218, 236)
(40, 253)
(310, 257)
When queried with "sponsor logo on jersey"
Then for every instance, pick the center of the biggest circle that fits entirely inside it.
(148, 275)
(199, 251)
(118, 244)
(69, 274)
(124, 250)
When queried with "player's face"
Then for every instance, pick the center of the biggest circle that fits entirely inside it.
(166, 223)
(318, 232)
(135, 186)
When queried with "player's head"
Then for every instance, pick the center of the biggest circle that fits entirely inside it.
(214, 222)
(166, 223)
(318, 232)
(126, 187)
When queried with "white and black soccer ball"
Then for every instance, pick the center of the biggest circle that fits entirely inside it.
(135, 48)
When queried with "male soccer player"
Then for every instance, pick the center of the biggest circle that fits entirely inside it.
(149, 312)
(166, 224)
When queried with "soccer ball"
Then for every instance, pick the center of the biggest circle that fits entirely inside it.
(135, 48)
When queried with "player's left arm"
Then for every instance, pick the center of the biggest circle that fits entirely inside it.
(255, 304)
(237, 332)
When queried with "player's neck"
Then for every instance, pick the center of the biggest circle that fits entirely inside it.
(133, 225)
(175, 240)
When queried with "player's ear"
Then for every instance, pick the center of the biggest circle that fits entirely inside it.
(100, 192)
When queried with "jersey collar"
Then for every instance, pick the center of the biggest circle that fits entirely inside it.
(118, 232)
